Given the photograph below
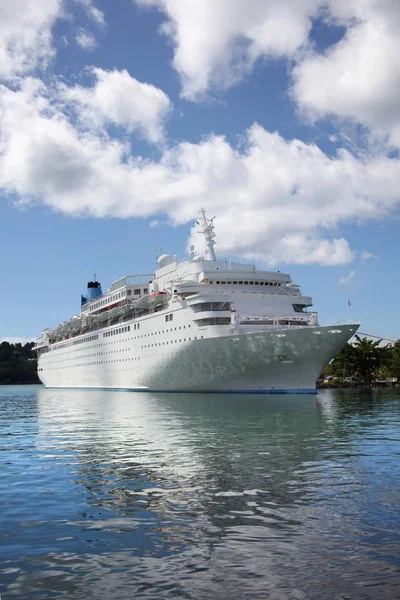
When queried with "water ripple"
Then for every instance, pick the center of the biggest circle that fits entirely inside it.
(118, 495)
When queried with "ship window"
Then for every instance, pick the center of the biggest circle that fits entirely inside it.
(240, 282)
(256, 282)
(229, 282)
(223, 281)
(298, 308)
(234, 282)
(145, 290)
(211, 306)
(251, 282)
(218, 282)
(138, 325)
(211, 282)
(137, 292)
(129, 292)
(245, 282)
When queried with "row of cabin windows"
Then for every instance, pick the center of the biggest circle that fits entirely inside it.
(91, 338)
(107, 300)
(117, 331)
(124, 330)
(117, 296)
(247, 283)
(120, 330)
(104, 362)
(217, 321)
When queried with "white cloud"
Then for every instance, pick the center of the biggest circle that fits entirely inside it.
(346, 278)
(281, 200)
(25, 34)
(86, 40)
(121, 99)
(359, 77)
(217, 43)
(93, 12)
(365, 256)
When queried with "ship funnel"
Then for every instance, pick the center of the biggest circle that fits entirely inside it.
(93, 290)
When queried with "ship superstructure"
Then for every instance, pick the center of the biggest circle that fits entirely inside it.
(200, 324)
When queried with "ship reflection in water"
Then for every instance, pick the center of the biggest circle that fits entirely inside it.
(121, 495)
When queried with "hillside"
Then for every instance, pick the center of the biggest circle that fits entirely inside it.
(17, 363)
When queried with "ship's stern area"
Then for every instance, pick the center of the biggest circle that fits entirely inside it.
(279, 361)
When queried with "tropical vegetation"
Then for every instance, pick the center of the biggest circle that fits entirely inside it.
(18, 363)
(366, 360)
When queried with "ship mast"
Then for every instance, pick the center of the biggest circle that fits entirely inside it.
(208, 232)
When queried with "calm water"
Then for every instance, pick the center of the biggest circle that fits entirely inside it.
(118, 495)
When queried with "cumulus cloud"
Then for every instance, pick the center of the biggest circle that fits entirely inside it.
(279, 200)
(25, 34)
(86, 40)
(216, 43)
(359, 77)
(121, 99)
(346, 278)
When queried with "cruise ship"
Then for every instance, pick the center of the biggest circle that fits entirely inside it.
(202, 324)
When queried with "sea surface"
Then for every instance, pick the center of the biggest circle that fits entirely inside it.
(114, 495)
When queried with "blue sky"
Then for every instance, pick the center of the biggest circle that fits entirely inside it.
(119, 120)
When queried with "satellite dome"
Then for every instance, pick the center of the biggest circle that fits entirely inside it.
(165, 260)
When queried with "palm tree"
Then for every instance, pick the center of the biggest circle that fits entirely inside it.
(367, 357)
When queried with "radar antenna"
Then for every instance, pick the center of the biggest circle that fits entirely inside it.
(208, 232)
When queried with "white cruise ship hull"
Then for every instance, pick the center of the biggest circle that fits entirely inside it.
(267, 361)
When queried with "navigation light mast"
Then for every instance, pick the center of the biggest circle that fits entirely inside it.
(208, 232)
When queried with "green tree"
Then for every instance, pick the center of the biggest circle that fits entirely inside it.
(18, 363)
(343, 364)
(392, 362)
(368, 355)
